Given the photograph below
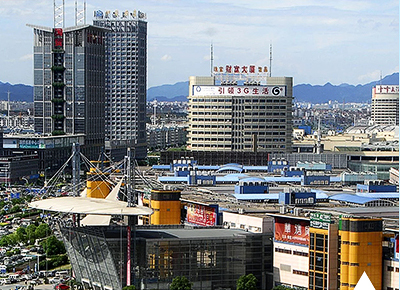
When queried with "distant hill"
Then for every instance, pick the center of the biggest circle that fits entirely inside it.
(23, 93)
(344, 92)
(302, 92)
(172, 93)
(179, 91)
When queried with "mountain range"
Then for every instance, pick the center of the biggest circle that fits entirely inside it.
(301, 92)
(179, 91)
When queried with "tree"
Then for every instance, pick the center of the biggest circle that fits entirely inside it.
(42, 231)
(52, 246)
(181, 283)
(247, 282)
(131, 287)
(20, 233)
(30, 232)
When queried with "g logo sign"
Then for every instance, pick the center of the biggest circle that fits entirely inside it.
(276, 91)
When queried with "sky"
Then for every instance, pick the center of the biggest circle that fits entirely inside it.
(313, 41)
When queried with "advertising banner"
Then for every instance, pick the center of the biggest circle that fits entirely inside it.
(292, 231)
(201, 215)
(273, 91)
(320, 220)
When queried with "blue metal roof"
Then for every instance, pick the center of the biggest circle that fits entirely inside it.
(269, 196)
(351, 198)
(335, 179)
(231, 177)
(233, 164)
(255, 168)
(172, 178)
(282, 179)
(379, 194)
(253, 179)
(230, 168)
(161, 167)
(208, 167)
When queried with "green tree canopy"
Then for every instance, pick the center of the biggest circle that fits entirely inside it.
(247, 282)
(52, 246)
(131, 287)
(181, 283)
(42, 231)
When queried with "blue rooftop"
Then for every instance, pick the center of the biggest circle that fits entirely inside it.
(351, 198)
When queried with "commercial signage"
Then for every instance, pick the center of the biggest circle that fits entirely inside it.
(292, 231)
(201, 215)
(320, 220)
(99, 14)
(385, 89)
(277, 91)
(237, 69)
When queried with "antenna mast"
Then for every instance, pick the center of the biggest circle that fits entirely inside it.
(59, 13)
(8, 110)
(270, 60)
(80, 15)
(212, 60)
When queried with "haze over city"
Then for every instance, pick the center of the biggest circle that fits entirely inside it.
(313, 41)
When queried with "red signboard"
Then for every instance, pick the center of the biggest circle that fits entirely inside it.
(201, 215)
(292, 231)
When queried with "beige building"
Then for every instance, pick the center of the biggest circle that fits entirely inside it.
(249, 117)
(385, 105)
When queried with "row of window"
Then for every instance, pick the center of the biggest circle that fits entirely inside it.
(392, 269)
(298, 272)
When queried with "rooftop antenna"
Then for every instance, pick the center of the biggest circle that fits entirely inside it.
(154, 112)
(319, 136)
(80, 15)
(59, 13)
(8, 109)
(212, 59)
(380, 78)
(270, 60)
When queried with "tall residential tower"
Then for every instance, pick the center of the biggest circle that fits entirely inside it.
(126, 75)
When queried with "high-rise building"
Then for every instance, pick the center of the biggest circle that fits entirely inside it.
(126, 75)
(385, 105)
(69, 84)
(251, 116)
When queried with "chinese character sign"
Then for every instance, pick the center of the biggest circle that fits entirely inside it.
(244, 69)
(386, 89)
(201, 215)
(273, 91)
(292, 231)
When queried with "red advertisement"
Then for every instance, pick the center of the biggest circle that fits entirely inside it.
(292, 231)
(201, 215)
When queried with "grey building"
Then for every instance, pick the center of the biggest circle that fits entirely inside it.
(251, 116)
(69, 83)
(211, 258)
(126, 76)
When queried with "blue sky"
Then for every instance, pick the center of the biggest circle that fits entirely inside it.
(314, 41)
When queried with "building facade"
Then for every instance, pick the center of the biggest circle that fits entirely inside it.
(385, 105)
(240, 116)
(69, 83)
(126, 80)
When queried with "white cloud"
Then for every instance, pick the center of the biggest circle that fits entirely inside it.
(371, 76)
(26, 57)
(166, 57)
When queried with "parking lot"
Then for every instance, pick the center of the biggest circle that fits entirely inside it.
(24, 287)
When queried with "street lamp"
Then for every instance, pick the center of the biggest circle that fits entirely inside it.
(45, 176)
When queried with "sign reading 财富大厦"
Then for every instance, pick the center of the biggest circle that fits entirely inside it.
(273, 91)
(320, 220)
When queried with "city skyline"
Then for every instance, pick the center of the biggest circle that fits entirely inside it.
(335, 41)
